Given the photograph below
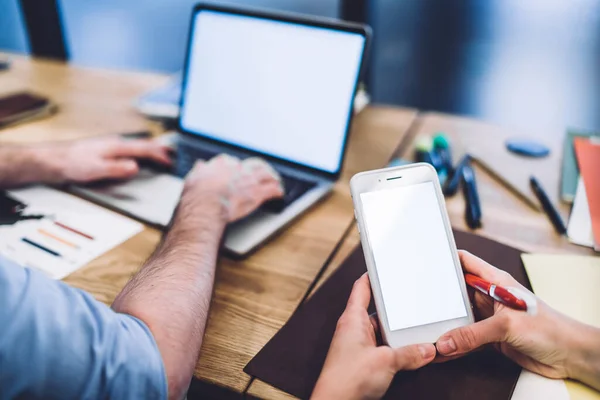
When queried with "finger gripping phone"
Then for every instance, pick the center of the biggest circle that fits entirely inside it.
(413, 265)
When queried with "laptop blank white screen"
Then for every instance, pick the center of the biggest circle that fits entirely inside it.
(279, 88)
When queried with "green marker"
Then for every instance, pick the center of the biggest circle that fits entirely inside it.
(425, 152)
(441, 145)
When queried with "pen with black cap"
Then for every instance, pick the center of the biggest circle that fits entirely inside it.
(549, 209)
(473, 206)
(451, 186)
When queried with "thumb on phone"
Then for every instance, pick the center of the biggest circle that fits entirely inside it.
(469, 338)
(414, 356)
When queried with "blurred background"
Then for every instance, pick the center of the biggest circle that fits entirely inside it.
(525, 64)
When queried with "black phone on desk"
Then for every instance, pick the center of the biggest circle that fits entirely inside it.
(23, 106)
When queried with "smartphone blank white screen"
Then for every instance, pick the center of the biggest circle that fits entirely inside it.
(412, 255)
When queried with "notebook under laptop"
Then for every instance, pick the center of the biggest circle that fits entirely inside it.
(259, 84)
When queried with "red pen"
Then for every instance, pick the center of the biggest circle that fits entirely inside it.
(510, 297)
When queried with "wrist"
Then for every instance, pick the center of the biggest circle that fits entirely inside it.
(200, 208)
(584, 355)
(47, 163)
(331, 390)
(331, 387)
(207, 194)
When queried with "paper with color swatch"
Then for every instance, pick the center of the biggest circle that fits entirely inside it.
(588, 159)
(569, 284)
(74, 233)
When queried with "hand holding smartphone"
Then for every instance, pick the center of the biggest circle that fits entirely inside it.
(412, 261)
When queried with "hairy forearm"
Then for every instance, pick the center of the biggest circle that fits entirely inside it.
(20, 165)
(585, 355)
(172, 292)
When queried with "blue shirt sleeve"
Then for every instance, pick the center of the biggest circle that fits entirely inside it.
(57, 342)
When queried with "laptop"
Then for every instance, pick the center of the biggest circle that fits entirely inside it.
(259, 84)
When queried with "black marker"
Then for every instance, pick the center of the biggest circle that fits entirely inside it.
(451, 186)
(549, 209)
(473, 207)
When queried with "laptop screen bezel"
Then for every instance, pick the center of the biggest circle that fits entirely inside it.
(320, 22)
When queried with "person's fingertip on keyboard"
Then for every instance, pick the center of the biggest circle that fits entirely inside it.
(258, 163)
(94, 159)
(265, 171)
(241, 189)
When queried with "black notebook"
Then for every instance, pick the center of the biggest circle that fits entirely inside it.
(294, 357)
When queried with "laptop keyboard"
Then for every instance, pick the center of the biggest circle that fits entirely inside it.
(294, 189)
(294, 186)
(187, 157)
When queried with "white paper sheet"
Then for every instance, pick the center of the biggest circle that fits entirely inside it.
(76, 233)
(579, 230)
(534, 386)
(150, 197)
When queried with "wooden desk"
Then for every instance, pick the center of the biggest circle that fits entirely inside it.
(253, 298)
(91, 102)
(506, 218)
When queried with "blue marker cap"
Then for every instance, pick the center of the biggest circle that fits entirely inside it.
(527, 147)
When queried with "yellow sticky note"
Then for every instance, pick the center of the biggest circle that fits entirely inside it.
(579, 391)
(568, 284)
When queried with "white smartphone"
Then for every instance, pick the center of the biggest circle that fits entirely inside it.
(417, 281)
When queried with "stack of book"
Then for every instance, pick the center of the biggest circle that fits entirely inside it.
(580, 185)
